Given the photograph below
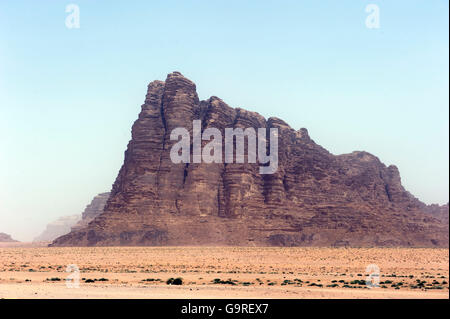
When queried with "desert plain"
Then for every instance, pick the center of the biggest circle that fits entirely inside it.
(222, 272)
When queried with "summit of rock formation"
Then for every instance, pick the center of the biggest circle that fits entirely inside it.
(314, 199)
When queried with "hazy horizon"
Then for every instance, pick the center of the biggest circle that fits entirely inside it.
(68, 97)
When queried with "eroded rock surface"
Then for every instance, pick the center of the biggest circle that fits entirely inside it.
(314, 199)
(94, 209)
(66, 224)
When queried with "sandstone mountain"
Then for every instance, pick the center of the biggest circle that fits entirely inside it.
(92, 210)
(57, 228)
(314, 199)
(64, 225)
(5, 238)
(438, 211)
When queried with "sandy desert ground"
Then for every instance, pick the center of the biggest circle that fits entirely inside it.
(222, 272)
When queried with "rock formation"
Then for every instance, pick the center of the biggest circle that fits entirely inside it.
(314, 199)
(57, 228)
(438, 211)
(5, 238)
(92, 210)
(64, 225)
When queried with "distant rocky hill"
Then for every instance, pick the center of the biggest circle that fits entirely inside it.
(65, 224)
(92, 210)
(57, 228)
(5, 238)
(314, 199)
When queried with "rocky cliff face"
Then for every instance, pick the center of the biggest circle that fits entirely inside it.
(94, 209)
(66, 224)
(314, 199)
(5, 238)
(438, 211)
(57, 228)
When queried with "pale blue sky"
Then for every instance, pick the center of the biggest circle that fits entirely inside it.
(68, 97)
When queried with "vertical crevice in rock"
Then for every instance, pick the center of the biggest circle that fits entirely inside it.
(386, 188)
(163, 120)
(285, 184)
(186, 167)
(267, 178)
